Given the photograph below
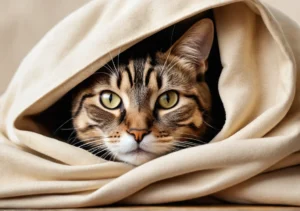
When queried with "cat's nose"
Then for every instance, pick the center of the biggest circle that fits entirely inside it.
(138, 134)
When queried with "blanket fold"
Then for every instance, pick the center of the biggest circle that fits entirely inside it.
(253, 159)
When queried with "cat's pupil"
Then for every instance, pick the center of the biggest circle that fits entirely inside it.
(168, 98)
(110, 98)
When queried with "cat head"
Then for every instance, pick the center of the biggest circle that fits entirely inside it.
(145, 107)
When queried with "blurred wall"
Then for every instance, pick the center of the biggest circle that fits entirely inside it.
(24, 22)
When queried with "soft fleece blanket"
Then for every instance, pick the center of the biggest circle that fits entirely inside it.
(254, 159)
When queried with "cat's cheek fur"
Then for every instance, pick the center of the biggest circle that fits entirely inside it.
(127, 144)
(147, 144)
(151, 144)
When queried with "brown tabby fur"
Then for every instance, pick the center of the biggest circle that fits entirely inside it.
(139, 81)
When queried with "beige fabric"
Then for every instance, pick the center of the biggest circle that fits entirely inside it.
(36, 17)
(23, 24)
(259, 87)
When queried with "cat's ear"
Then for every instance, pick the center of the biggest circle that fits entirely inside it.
(194, 46)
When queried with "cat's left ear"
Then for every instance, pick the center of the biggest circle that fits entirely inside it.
(194, 46)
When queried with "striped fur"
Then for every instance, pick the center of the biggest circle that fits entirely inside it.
(139, 81)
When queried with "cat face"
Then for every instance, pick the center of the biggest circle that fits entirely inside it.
(145, 107)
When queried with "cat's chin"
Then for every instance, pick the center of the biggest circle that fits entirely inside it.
(136, 157)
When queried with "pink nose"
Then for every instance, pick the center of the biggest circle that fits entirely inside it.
(138, 134)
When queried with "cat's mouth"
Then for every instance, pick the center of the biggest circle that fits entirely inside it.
(137, 156)
(138, 151)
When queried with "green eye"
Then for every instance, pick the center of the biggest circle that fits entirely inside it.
(168, 99)
(110, 100)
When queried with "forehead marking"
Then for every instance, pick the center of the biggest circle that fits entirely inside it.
(131, 68)
(147, 68)
(126, 69)
(139, 66)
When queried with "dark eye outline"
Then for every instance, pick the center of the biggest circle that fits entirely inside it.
(160, 107)
(100, 99)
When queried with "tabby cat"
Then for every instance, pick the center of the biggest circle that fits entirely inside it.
(139, 107)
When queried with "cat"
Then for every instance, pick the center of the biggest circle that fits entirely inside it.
(139, 107)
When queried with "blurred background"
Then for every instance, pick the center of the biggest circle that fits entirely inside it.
(25, 22)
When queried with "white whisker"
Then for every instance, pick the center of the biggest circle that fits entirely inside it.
(63, 125)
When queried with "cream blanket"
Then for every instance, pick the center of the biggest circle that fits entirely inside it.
(254, 159)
